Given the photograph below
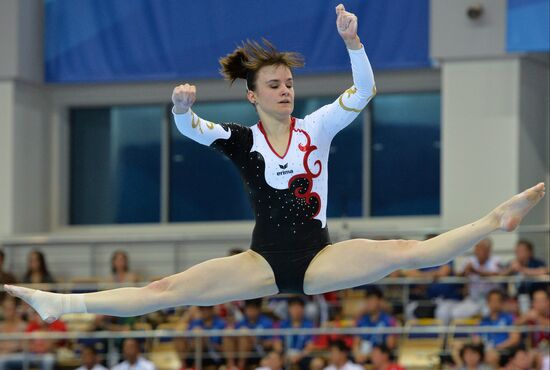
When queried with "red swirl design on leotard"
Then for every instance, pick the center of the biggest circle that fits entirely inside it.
(300, 191)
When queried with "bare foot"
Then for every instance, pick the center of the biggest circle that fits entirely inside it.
(37, 299)
(510, 213)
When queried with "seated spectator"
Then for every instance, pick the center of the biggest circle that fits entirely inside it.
(526, 264)
(339, 357)
(373, 317)
(37, 269)
(12, 323)
(538, 315)
(317, 363)
(132, 357)
(90, 359)
(336, 320)
(381, 358)
(212, 347)
(471, 357)
(497, 318)
(253, 319)
(478, 267)
(272, 361)
(442, 296)
(120, 268)
(300, 346)
(42, 351)
(520, 359)
(5, 276)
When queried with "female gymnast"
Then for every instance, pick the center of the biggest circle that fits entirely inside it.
(283, 161)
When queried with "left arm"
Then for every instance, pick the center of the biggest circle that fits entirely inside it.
(335, 116)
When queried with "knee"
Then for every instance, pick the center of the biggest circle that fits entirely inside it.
(158, 286)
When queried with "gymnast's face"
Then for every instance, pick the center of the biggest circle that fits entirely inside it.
(274, 94)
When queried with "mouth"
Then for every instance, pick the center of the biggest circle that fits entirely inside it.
(284, 102)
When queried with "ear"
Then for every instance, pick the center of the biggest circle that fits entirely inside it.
(251, 96)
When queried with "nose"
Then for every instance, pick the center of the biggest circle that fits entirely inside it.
(285, 90)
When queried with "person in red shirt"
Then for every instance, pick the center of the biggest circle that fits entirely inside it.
(43, 350)
(381, 358)
(538, 315)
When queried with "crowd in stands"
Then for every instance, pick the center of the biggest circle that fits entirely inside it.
(476, 303)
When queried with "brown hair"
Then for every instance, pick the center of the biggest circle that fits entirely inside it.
(246, 60)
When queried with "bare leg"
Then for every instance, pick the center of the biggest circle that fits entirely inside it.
(360, 261)
(243, 276)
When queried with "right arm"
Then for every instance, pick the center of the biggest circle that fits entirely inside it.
(188, 123)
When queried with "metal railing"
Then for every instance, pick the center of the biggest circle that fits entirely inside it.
(111, 337)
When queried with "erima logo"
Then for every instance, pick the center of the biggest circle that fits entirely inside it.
(283, 167)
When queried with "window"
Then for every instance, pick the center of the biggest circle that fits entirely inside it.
(115, 162)
(405, 154)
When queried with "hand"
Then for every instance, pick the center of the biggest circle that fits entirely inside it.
(346, 24)
(183, 97)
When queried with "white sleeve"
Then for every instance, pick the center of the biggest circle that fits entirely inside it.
(200, 130)
(335, 116)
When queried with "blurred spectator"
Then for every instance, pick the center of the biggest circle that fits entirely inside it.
(381, 358)
(336, 320)
(212, 347)
(42, 351)
(538, 315)
(12, 323)
(471, 357)
(37, 269)
(132, 357)
(526, 264)
(317, 363)
(120, 268)
(520, 359)
(496, 317)
(299, 346)
(90, 359)
(339, 357)
(478, 267)
(425, 298)
(253, 319)
(373, 317)
(272, 361)
(5, 276)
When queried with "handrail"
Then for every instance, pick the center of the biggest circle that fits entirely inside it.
(175, 235)
(435, 329)
(386, 281)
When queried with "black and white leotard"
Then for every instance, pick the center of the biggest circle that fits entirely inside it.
(289, 192)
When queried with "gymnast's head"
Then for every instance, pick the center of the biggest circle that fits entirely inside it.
(268, 76)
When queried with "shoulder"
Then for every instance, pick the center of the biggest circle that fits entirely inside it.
(535, 262)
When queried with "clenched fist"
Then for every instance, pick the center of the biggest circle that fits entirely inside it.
(346, 24)
(183, 97)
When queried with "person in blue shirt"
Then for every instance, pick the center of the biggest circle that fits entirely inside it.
(500, 341)
(374, 317)
(299, 347)
(213, 347)
(259, 345)
(526, 264)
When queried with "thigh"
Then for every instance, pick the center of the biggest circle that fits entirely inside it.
(246, 275)
(352, 263)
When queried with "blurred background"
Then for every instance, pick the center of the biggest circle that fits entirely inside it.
(99, 189)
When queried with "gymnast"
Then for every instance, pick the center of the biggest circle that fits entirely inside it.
(283, 162)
